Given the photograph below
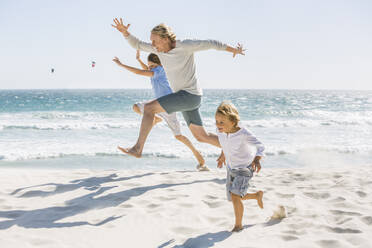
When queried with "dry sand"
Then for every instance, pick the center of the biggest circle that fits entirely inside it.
(124, 208)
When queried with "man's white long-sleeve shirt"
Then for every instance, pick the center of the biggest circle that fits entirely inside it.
(240, 148)
(178, 63)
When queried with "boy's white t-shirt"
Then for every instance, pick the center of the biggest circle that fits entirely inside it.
(240, 148)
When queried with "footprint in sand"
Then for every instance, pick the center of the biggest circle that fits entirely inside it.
(164, 198)
(289, 238)
(285, 195)
(214, 204)
(344, 205)
(187, 205)
(295, 232)
(152, 206)
(343, 213)
(338, 199)
(172, 197)
(329, 243)
(367, 220)
(181, 195)
(126, 206)
(211, 197)
(344, 221)
(143, 202)
(299, 177)
(342, 230)
(361, 194)
(285, 182)
(317, 196)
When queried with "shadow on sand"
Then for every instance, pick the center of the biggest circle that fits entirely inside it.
(91, 183)
(205, 240)
(50, 217)
(210, 239)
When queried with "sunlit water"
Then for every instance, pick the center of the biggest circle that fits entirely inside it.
(81, 128)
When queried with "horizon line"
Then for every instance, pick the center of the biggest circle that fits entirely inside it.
(296, 89)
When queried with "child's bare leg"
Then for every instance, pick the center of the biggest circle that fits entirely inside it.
(238, 211)
(138, 111)
(188, 143)
(257, 196)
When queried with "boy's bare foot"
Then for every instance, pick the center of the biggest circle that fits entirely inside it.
(259, 199)
(237, 229)
(130, 151)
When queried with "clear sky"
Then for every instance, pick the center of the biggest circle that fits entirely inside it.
(291, 44)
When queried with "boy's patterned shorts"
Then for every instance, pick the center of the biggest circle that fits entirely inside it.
(237, 181)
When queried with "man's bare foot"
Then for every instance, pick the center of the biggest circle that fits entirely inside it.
(259, 199)
(237, 229)
(130, 151)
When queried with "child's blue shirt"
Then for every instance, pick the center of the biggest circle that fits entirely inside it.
(159, 82)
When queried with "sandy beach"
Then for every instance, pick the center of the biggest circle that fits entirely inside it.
(126, 208)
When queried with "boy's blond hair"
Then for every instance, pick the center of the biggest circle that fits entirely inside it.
(164, 31)
(229, 110)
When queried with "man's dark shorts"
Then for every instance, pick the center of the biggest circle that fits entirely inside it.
(185, 102)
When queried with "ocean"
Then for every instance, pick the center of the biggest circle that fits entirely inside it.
(68, 129)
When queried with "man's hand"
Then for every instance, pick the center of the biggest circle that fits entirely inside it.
(138, 55)
(221, 160)
(256, 165)
(119, 25)
(238, 50)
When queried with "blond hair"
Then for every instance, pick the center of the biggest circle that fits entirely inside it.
(229, 110)
(164, 31)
